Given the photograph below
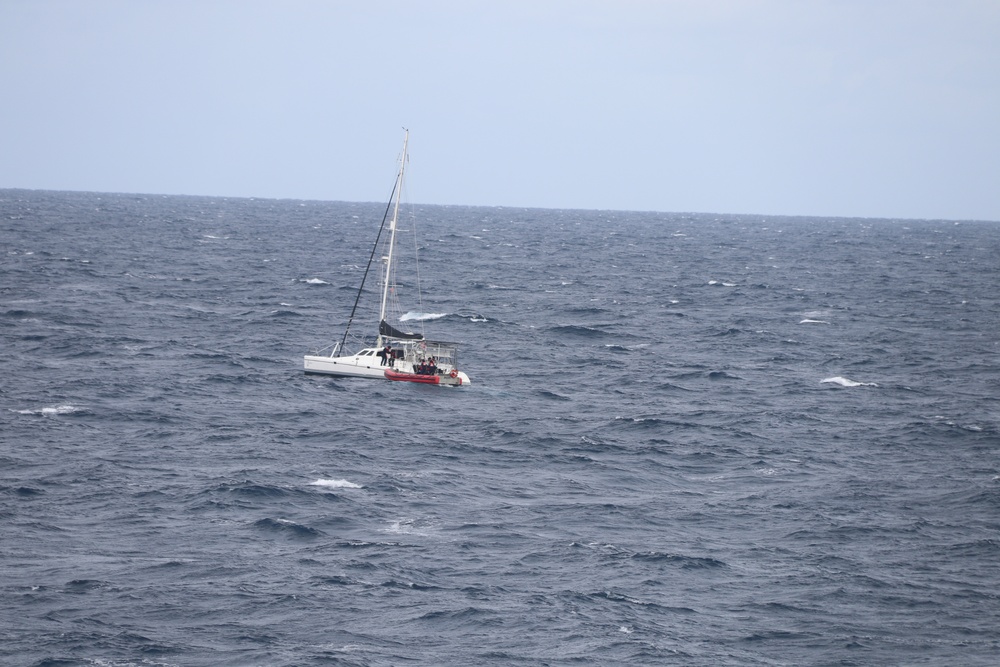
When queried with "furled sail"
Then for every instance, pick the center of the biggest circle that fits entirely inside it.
(386, 329)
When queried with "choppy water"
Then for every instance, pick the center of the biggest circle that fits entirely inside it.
(691, 440)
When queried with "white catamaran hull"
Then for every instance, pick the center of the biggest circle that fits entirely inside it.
(354, 366)
(364, 365)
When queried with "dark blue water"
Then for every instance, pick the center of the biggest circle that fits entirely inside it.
(690, 440)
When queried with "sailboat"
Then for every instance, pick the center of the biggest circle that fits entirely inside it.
(392, 353)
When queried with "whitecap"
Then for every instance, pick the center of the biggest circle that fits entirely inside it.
(58, 410)
(316, 281)
(844, 382)
(809, 321)
(335, 484)
(421, 317)
(398, 527)
(405, 527)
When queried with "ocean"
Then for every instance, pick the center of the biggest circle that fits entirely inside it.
(690, 439)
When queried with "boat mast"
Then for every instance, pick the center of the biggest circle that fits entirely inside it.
(368, 268)
(392, 235)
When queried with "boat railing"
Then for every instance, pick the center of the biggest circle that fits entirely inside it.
(322, 351)
(419, 355)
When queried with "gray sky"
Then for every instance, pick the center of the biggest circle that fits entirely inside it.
(876, 108)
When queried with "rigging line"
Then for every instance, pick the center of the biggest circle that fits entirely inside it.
(385, 216)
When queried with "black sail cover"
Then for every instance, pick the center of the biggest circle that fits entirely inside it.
(386, 329)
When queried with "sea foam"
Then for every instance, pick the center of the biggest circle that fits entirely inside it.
(58, 410)
(421, 317)
(844, 382)
(335, 484)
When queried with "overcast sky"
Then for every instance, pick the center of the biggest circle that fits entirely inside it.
(874, 108)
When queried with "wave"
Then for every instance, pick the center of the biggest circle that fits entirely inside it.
(335, 484)
(421, 317)
(844, 382)
(405, 527)
(577, 330)
(334, 580)
(84, 585)
(252, 490)
(640, 422)
(614, 596)
(614, 347)
(58, 410)
(23, 315)
(669, 387)
(685, 562)
(287, 527)
(545, 393)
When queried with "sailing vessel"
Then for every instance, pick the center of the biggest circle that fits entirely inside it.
(392, 353)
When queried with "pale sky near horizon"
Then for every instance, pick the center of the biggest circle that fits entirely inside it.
(869, 108)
